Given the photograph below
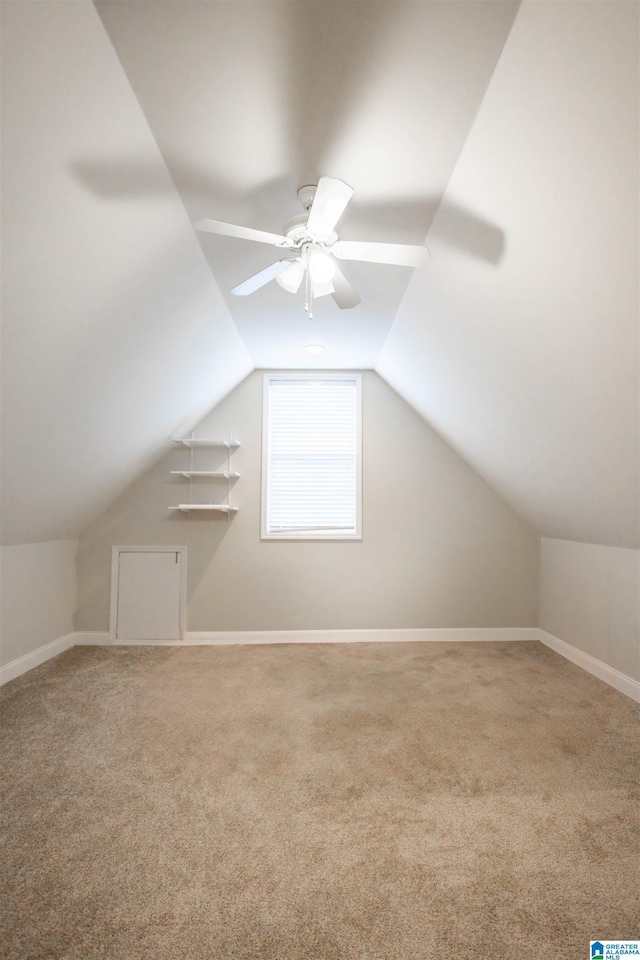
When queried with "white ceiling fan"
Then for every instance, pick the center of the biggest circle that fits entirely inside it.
(312, 246)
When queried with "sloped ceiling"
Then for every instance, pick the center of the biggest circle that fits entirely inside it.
(518, 340)
(249, 101)
(529, 366)
(115, 333)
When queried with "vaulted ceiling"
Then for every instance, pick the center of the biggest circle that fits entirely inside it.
(504, 135)
(249, 101)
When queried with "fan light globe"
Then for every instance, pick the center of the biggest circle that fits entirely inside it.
(321, 289)
(291, 278)
(321, 267)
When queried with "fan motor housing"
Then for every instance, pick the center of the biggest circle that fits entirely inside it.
(296, 231)
(296, 228)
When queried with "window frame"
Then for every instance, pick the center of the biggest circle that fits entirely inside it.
(268, 379)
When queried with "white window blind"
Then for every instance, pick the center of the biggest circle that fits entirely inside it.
(311, 461)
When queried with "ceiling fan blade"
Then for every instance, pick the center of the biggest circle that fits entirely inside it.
(243, 233)
(259, 279)
(332, 196)
(343, 293)
(401, 254)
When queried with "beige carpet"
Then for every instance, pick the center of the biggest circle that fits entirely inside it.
(374, 801)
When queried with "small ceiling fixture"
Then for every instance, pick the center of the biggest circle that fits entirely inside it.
(314, 347)
(313, 245)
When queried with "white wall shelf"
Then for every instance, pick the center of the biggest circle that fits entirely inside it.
(195, 471)
(219, 507)
(198, 442)
(222, 474)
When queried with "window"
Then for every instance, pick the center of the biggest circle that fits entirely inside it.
(312, 457)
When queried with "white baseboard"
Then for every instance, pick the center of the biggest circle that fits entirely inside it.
(402, 635)
(227, 637)
(30, 660)
(620, 681)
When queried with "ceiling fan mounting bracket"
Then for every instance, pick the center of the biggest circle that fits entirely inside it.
(306, 195)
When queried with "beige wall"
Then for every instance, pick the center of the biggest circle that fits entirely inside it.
(38, 595)
(589, 597)
(439, 548)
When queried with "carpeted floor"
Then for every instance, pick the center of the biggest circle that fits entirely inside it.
(406, 801)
